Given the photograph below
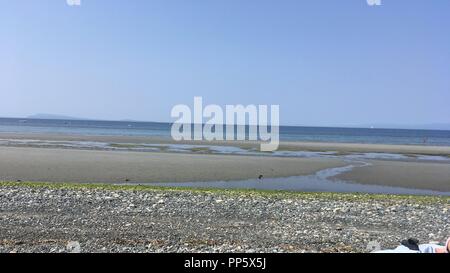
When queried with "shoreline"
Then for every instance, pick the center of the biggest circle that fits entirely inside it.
(279, 194)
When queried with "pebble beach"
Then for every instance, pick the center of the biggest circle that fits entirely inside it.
(67, 218)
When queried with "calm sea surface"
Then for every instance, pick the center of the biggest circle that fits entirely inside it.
(287, 133)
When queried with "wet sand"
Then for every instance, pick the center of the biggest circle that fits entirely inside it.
(417, 175)
(83, 166)
(285, 145)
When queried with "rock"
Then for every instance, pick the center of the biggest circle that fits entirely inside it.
(373, 246)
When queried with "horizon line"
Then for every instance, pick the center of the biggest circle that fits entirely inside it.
(388, 127)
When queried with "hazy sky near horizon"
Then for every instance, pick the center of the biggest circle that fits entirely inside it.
(325, 62)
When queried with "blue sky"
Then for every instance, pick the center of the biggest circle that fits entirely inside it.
(325, 62)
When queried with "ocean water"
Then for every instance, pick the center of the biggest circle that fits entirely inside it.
(287, 133)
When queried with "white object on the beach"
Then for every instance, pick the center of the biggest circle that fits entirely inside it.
(73, 247)
(426, 248)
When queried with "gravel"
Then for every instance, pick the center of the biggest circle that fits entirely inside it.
(45, 219)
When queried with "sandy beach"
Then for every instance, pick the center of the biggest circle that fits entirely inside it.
(30, 162)
(68, 165)
(418, 175)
